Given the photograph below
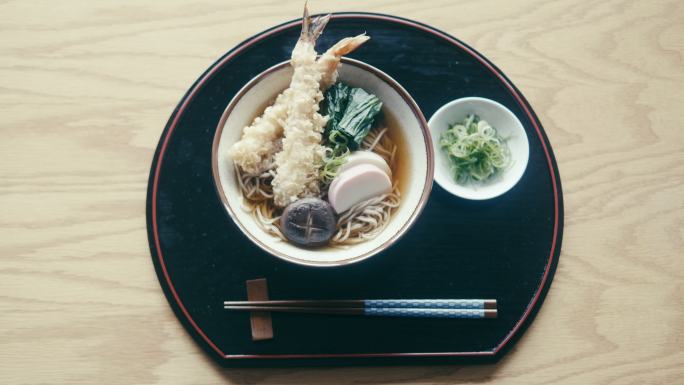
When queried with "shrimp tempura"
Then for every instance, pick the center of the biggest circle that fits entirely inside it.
(260, 140)
(299, 154)
(252, 153)
(298, 162)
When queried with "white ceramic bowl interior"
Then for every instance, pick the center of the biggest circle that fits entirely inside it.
(507, 125)
(251, 100)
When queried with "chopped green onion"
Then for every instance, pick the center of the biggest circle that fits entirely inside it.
(476, 151)
(331, 165)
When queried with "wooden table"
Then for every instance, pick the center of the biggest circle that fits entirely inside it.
(86, 88)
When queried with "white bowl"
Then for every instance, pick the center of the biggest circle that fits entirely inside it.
(506, 124)
(416, 180)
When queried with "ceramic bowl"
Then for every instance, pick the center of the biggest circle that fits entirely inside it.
(416, 173)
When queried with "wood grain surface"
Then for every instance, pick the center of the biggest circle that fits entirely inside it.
(86, 88)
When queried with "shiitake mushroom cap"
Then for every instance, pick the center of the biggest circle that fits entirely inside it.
(308, 222)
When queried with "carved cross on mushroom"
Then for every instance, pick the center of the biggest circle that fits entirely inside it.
(308, 222)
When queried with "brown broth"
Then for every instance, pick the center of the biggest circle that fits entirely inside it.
(402, 162)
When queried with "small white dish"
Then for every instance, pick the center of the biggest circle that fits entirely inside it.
(506, 124)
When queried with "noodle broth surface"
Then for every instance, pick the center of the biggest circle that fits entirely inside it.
(400, 174)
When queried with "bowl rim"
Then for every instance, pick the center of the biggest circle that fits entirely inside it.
(427, 186)
(448, 183)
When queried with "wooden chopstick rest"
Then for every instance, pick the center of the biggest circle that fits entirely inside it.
(261, 323)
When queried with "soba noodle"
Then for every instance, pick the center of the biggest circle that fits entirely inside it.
(362, 222)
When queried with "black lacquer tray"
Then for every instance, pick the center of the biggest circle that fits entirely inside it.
(505, 248)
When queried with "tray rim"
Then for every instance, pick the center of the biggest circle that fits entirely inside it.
(194, 329)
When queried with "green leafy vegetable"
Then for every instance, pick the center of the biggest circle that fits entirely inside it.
(351, 114)
(475, 150)
(335, 102)
(358, 118)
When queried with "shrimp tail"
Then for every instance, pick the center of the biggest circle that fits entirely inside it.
(312, 29)
(348, 44)
(306, 21)
(318, 25)
(330, 60)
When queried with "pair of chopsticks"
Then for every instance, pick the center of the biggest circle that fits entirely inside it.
(426, 308)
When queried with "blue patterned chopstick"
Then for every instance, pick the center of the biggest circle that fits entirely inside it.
(430, 313)
(431, 303)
